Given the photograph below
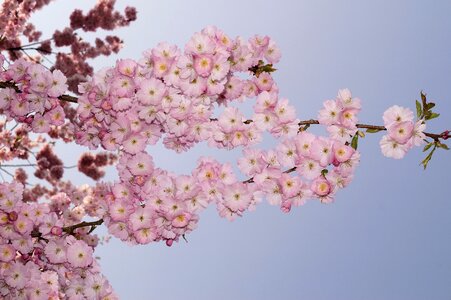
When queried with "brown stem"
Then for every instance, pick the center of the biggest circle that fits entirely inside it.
(376, 127)
(251, 180)
(9, 84)
(70, 229)
(36, 234)
(28, 45)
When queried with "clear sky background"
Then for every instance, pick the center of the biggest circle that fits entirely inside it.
(387, 236)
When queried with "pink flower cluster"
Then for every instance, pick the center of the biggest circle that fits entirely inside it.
(130, 106)
(37, 104)
(45, 249)
(150, 204)
(173, 93)
(340, 116)
(403, 132)
(168, 92)
(311, 156)
(40, 261)
(14, 17)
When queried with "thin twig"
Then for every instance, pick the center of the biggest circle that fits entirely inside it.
(70, 229)
(10, 174)
(18, 165)
(375, 127)
(27, 45)
(9, 84)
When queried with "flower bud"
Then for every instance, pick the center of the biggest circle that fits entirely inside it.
(286, 206)
(12, 216)
(139, 180)
(56, 230)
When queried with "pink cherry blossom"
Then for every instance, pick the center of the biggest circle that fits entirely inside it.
(140, 164)
(401, 132)
(393, 149)
(79, 254)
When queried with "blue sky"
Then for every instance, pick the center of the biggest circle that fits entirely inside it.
(387, 236)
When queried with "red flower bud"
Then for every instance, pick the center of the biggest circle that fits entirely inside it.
(12, 216)
(56, 230)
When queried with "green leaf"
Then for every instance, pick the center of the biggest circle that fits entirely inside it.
(419, 109)
(426, 148)
(428, 157)
(432, 116)
(373, 130)
(423, 98)
(430, 105)
(268, 68)
(443, 146)
(261, 67)
(426, 160)
(324, 172)
(355, 141)
(361, 134)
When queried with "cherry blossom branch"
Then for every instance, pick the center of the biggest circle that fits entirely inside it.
(93, 224)
(70, 229)
(251, 180)
(36, 234)
(67, 98)
(22, 48)
(444, 135)
(9, 84)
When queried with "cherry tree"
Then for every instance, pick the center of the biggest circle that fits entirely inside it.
(181, 96)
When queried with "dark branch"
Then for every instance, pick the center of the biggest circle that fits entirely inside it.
(9, 84)
(377, 127)
(71, 229)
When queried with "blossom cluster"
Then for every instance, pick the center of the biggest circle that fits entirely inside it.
(150, 204)
(169, 92)
(16, 143)
(403, 132)
(35, 101)
(14, 22)
(40, 261)
(14, 17)
(340, 116)
(92, 165)
(325, 165)
(173, 94)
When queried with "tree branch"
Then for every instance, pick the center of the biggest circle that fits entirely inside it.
(67, 98)
(444, 135)
(28, 45)
(70, 229)
(9, 84)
